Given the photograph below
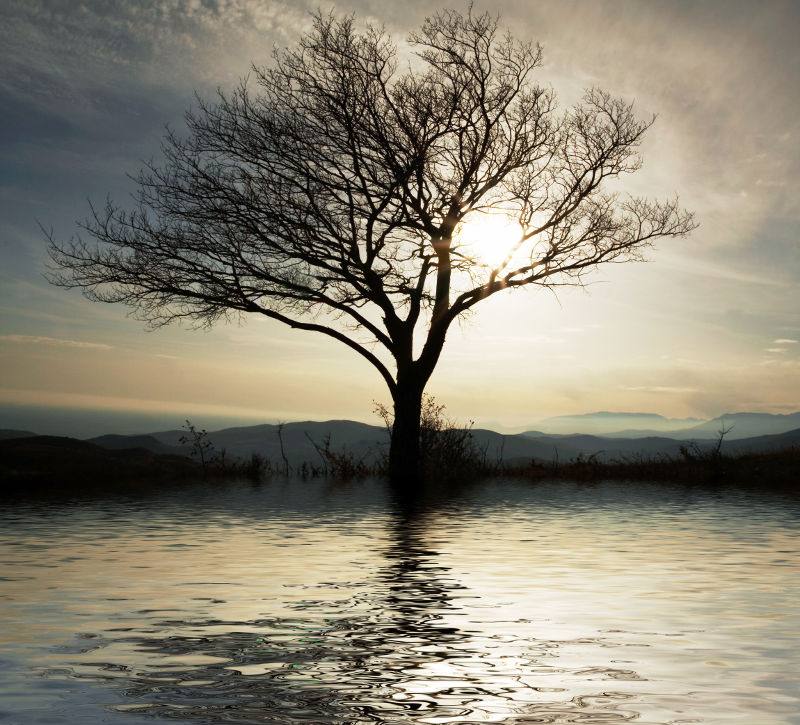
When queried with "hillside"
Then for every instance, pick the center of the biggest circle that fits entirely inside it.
(61, 462)
(301, 440)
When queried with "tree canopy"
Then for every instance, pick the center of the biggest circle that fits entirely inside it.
(330, 191)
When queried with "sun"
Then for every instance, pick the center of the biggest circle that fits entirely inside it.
(487, 238)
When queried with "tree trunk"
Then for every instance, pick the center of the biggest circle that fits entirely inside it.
(404, 451)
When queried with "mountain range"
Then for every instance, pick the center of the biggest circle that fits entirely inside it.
(641, 425)
(563, 438)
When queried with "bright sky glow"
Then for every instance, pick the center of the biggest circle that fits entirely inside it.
(710, 325)
(489, 238)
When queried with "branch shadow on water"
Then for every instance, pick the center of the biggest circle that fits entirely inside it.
(389, 652)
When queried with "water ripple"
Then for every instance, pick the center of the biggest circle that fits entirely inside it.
(562, 605)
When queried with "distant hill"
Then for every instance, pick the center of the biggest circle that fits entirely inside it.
(644, 425)
(608, 423)
(60, 462)
(10, 433)
(368, 442)
(747, 425)
(738, 426)
(148, 442)
(759, 444)
(548, 448)
(299, 442)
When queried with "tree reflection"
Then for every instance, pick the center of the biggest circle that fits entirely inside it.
(392, 650)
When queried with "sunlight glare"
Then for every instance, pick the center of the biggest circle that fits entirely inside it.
(487, 238)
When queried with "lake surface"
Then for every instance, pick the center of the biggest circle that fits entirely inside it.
(312, 602)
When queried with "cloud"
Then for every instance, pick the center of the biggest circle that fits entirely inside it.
(718, 270)
(165, 41)
(53, 341)
(658, 389)
(775, 349)
(88, 86)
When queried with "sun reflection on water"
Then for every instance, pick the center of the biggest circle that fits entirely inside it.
(504, 605)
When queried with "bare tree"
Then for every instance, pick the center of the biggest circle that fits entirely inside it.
(331, 191)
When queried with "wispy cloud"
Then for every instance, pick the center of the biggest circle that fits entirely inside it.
(717, 270)
(658, 389)
(784, 341)
(52, 341)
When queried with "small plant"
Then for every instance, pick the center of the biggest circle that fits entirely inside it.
(693, 452)
(255, 468)
(202, 447)
(283, 450)
(342, 464)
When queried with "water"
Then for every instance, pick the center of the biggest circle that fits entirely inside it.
(309, 602)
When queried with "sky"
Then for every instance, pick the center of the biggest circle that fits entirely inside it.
(709, 324)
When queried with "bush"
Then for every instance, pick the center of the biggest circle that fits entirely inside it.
(448, 450)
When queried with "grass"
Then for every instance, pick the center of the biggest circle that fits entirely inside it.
(767, 468)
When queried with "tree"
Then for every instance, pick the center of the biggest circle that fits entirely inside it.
(331, 191)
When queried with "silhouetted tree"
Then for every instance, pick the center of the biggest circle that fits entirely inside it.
(329, 190)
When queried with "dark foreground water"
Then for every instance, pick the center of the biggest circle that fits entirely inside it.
(307, 602)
